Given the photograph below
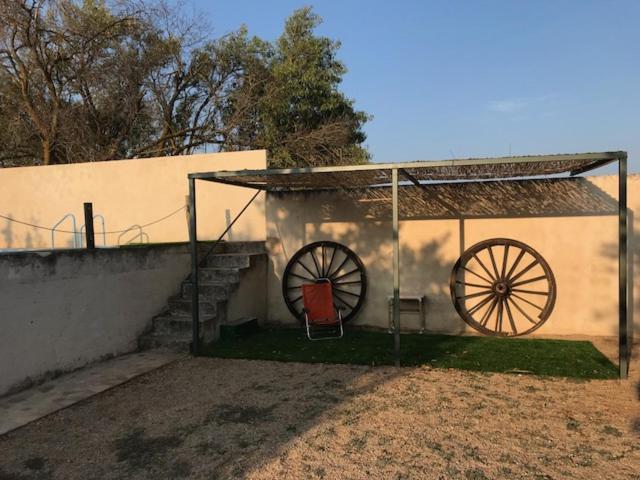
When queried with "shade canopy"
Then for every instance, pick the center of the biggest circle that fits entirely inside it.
(441, 189)
(379, 174)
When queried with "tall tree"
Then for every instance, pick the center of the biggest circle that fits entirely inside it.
(91, 80)
(301, 117)
(56, 60)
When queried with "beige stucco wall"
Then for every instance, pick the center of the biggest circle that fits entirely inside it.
(64, 309)
(580, 248)
(128, 192)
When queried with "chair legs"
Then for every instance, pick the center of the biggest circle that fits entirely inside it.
(326, 337)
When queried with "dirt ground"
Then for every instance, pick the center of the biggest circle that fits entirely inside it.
(239, 419)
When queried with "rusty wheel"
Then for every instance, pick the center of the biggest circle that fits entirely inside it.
(503, 287)
(322, 261)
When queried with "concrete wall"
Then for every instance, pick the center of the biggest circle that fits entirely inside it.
(126, 193)
(572, 224)
(62, 310)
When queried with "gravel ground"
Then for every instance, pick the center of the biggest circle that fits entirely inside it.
(232, 419)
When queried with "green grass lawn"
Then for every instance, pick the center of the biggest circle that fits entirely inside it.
(562, 358)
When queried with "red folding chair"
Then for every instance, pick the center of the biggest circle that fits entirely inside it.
(319, 310)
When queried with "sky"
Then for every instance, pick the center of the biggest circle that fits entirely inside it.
(456, 79)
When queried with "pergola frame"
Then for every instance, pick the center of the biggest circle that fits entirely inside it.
(370, 175)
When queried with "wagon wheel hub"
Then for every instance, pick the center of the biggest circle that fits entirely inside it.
(501, 288)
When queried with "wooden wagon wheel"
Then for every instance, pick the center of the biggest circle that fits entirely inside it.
(503, 287)
(321, 261)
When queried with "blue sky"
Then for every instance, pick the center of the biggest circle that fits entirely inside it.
(447, 79)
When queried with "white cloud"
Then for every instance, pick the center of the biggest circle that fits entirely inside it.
(511, 105)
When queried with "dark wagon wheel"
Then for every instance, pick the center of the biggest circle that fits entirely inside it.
(322, 261)
(503, 287)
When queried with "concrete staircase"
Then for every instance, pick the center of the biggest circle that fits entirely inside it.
(220, 277)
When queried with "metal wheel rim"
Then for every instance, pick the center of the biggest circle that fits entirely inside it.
(498, 270)
(323, 260)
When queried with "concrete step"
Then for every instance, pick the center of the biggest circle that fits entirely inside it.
(205, 247)
(222, 275)
(239, 328)
(228, 260)
(245, 247)
(178, 323)
(207, 291)
(179, 342)
(180, 305)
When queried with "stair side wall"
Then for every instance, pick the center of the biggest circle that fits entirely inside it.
(249, 297)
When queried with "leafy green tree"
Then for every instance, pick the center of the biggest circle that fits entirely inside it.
(300, 116)
(91, 80)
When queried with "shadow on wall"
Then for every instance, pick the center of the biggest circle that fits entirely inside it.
(361, 219)
(33, 237)
(633, 253)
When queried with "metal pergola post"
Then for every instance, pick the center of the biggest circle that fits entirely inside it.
(193, 239)
(623, 289)
(396, 268)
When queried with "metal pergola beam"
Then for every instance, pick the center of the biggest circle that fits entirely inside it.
(593, 157)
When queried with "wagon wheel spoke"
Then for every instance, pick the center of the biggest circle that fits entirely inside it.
(354, 282)
(315, 263)
(504, 261)
(515, 264)
(481, 304)
(294, 287)
(350, 272)
(344, 301)
(309, 271)
(530, 292)
(474, 295)
(490, 282)
(303, 278)
(485, 318)
(297, 299)
(526, 301)
(510, 315)
(346, 292)
(525, 314)
(499, 315)
(531, 280)
(333, 254)
(493, 263)
(485, 269)
(342, 264)
(322, 261)
(525, 270)
(460, 282)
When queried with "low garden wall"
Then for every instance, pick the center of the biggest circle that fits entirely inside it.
(63, 309)
(150, 193)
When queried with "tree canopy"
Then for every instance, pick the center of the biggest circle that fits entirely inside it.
(95, 80)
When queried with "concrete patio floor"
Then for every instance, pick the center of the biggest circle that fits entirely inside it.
(208, 418)
(24, 407)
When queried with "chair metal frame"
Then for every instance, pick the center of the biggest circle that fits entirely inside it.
(339, 320)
